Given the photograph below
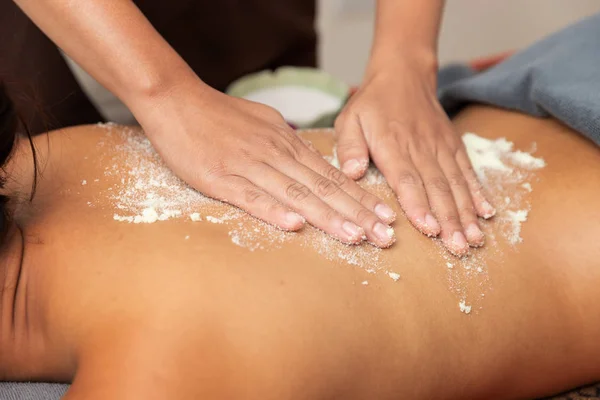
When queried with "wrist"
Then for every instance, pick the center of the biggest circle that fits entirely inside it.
(157, 95)
(407, 60)
(156, 82)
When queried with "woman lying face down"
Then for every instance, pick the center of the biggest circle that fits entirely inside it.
(118, 279)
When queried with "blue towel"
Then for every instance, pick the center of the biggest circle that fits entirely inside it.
(557, 77)
(31, 391)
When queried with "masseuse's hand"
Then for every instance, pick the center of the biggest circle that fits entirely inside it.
(396, 120)
(245, 154)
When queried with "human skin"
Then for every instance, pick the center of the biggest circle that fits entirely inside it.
(395, 120)
(245, 153)
(137, 311)
(229, 148)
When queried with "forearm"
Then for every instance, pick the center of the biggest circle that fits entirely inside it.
(407, 27)
(113, 42)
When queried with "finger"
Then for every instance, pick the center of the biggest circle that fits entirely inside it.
(332, 195)
(462, 198)
(351, 146)
(406, 182)
(482, 205)
(245, 195)
(309, 144)
(368, 200)
(441, 201)
(301, 199)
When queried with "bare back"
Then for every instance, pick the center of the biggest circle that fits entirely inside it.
(226, 307)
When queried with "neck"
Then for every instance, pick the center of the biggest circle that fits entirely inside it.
(12, 316)
(27, 352)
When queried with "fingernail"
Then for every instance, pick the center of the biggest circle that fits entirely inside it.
(475, 235)
(458, 245)
(294, 219)
(432, 223)
(385, 212)
(354, 168)
(353, 231)
(488, 209)
(384, 233)
(429, 226)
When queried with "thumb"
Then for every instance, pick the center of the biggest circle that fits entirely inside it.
(352, 150)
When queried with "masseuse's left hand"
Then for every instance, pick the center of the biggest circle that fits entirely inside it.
(396, 120)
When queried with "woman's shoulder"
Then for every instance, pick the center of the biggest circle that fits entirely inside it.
(99, 130)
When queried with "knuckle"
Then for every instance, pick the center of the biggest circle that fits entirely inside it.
(438, 185)
(329, 215)
(216, 170)
(457, 180)
(273, 146)
(362, 215)
(325, 188)
(252, 195)
(418, 146)
(398, 127)
(245, 154)
(337, 176)
(297, 191)
(365, 198)
(291, 142)
(408, 178)
(271, 207)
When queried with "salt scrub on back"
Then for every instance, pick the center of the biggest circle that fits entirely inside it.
(149, 193)
(505, 175)
(496, 158)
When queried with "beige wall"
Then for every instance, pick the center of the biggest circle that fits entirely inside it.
(470, 28)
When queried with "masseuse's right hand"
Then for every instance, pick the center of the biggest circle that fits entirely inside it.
(245, 154)
(230, 149)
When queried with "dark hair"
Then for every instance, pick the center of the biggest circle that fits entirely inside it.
(10, 123)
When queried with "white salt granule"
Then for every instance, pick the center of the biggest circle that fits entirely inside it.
(390, 232)
(149, 215)
(195, 217)
(187, 237)
(495, 159)
(83, 182)
(516, 218)
(168, 214)
(394, 276)
(486, 154)
(464, 307)
(364, 283)
(120, 218)
(149, 192)
(526, 160)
